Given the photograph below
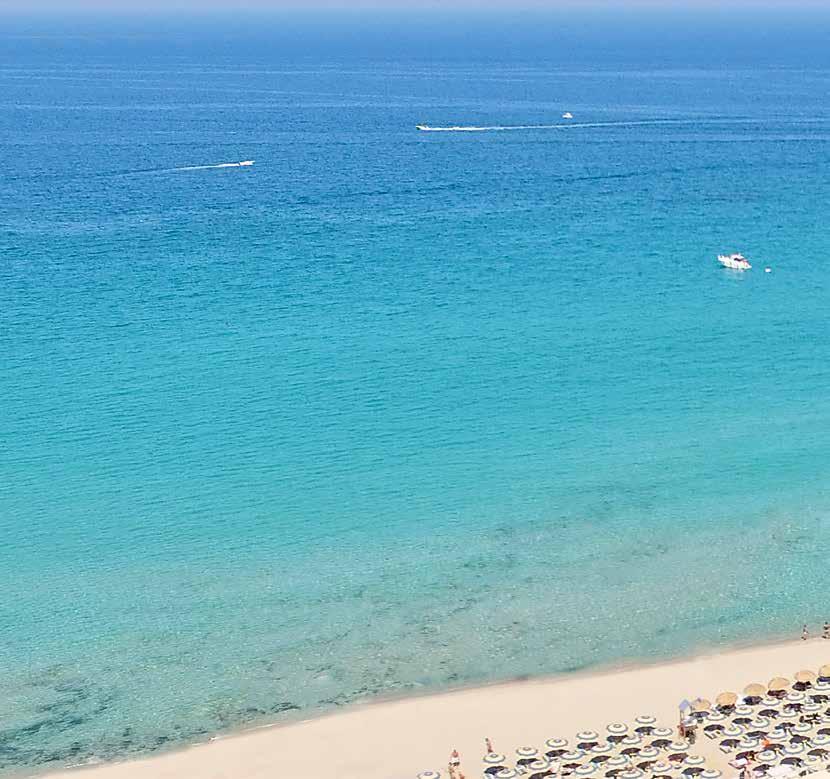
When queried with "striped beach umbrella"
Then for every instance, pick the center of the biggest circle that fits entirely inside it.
(733, 731)
(632, 773)
(811, 707)
(429, 775)
(695, 760)
(505, 773)
(557, 743)
(662, 732)
(717, 716)
(767, 756)
(585, 770)
(801, 728)
(793, 750)
(678, 749)
(616, 730)
(538, 765)
(748, 743)
(587, 737)
(572, 756)
(822, 685)
(648, 753)
(758, 723)
(710, 773)
(820, 740)
(662, 768)
(527, 753)
(494, 758)
(603, 748)
(795, 697)
(743, 711)
(768, 700)
(631, 740)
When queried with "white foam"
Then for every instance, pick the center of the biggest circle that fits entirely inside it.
(562, 126)
(242, 164)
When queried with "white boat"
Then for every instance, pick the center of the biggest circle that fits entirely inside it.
(567, 115)
(734, 261)
(246, 163)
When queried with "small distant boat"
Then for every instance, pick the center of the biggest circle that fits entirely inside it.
(246, 163)
(422, 127)
(734, 261)
(567, 115)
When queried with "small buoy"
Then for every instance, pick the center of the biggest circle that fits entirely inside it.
(767, 270)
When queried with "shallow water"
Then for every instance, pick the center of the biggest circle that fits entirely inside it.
(389, 410)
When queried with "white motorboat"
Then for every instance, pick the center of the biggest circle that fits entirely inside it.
(567, 115)
(246, 163)
(734, 261)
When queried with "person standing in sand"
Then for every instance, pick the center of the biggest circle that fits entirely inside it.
(826, 632)
(488, 745)
(805, 634)
(455, 758)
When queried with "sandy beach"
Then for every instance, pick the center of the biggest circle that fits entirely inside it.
(397, 739)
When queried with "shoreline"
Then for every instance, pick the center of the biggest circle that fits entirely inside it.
(415, 731)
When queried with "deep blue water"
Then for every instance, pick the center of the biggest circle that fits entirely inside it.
(393, 410)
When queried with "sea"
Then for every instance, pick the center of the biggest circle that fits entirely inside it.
(389, 410)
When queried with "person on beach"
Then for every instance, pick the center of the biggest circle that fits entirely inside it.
(826, 632)
(488, 745)
(455, 759)
(805, 634)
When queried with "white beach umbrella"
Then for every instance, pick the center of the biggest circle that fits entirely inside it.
(795, 697)
(743, 711)
(585, 770)
(822, 685)
(618, 761)
(645, 719)
(505, 773)
(527, 753)
(768, 700)
(631, 773)
(587, 737)
(767, 756)
(812, 708)
(572, 756)
(695, 760)
(717, 716)
(631, 740)
(648, 753)
(758, 723)
(429, 775)
(792, 750)
(494, 758)
(540, 764)
(662, 732)
(733, 731)
(662, 767)
(557, 743)
(617, 728)
(602, 748)
(820, 740)
(748, 743)
(801, 728)
(711, 773)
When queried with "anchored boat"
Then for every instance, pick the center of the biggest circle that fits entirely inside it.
(734, 261)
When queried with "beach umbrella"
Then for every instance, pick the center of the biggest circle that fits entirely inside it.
(726, 699)
(648, 753)
(585, 770)
(710, 773)
(778, 684)
(540, 764)
(759, 723)
(662, 732)
(631, 740)
(769, 700)
(780, 771)
(695, 760)
(806, 677)
(617, 729)
(717, 716)
(791, 750)
(429, 775)
(801, 728)
(700, 705)
(767, 756)
(748, 743)
(811, 708)
(557, 743)
(602, 749)
(678, 749)
(796, 697)
(661, 767)
(618, 761)
(646, 720)
(824, 672)
(631, 773)
(494, 758)
(569, 758)
(755, 690)
(733, 731)
(743, 711)
(505, 773)
(820, 740)
(527, 753)
(587, 737)
(822, 684)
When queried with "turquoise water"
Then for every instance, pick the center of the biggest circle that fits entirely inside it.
(388, 410)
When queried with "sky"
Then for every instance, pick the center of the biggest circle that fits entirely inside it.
(197, 6)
